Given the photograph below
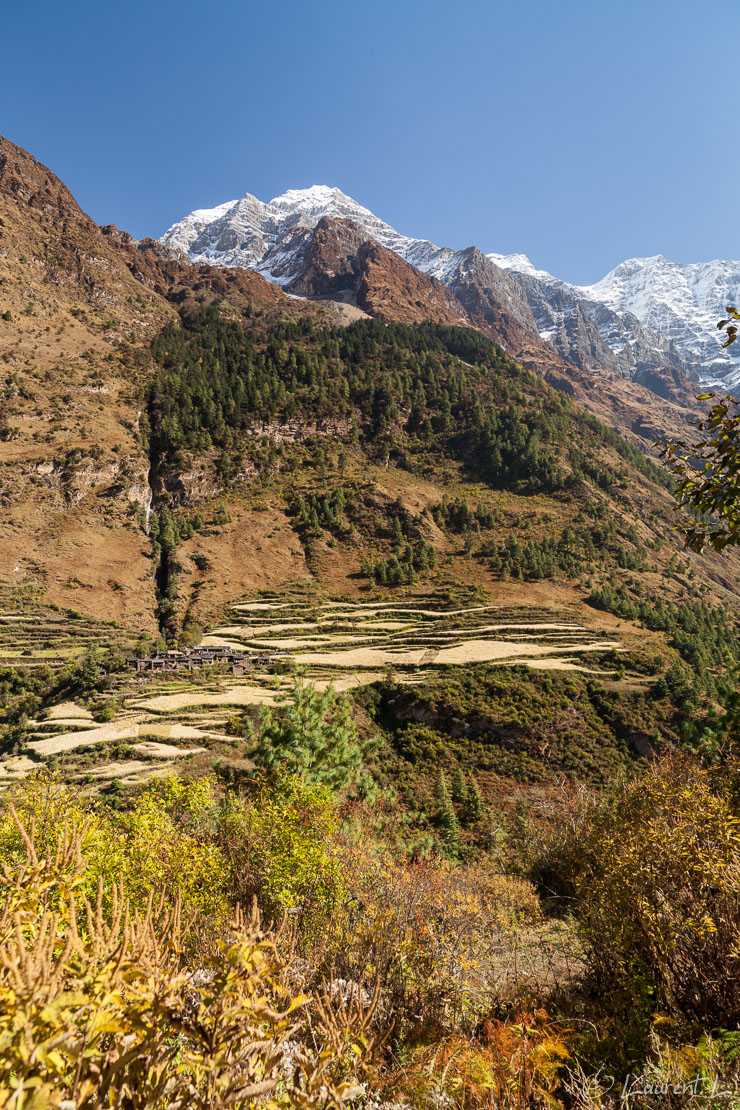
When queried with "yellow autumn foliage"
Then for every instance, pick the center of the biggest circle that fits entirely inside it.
(658, 893)
(149, 848)
(100, 1007)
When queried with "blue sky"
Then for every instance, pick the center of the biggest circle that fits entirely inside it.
(580, 132)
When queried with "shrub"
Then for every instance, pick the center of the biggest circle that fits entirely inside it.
(435, 933)
(159, 844)
(162, 844)
(98, 1009)
(281, 847)
(515, 1068)
(658, 895)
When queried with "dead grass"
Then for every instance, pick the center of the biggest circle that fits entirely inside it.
(234, 695)
(68, 710)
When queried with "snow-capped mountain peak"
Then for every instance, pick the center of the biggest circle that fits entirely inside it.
(683, 301)
(323, 199)
(261, 236)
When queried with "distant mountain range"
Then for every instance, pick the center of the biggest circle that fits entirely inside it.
(648, 319)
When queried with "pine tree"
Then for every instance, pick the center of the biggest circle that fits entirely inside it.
(394, 572)
(311, 733)
(397, 536)
(446, 817)
(473, 807)
(440, 786)
(459, 787)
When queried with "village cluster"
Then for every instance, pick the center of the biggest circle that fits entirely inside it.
(194, 658)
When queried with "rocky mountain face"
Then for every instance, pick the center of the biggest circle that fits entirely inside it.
(682, 302)
(650, 320)
(74, 330)
(336, 260)
(591, 335)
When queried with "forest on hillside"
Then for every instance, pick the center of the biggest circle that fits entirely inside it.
(422, 389)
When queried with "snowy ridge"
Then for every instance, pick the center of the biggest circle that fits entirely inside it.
(520, 264)
(682, 301)
(677, 305)
(184, 233)
(646, 313)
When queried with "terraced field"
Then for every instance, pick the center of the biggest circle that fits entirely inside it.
(33, 634)
(339, 637)
(161, 720)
